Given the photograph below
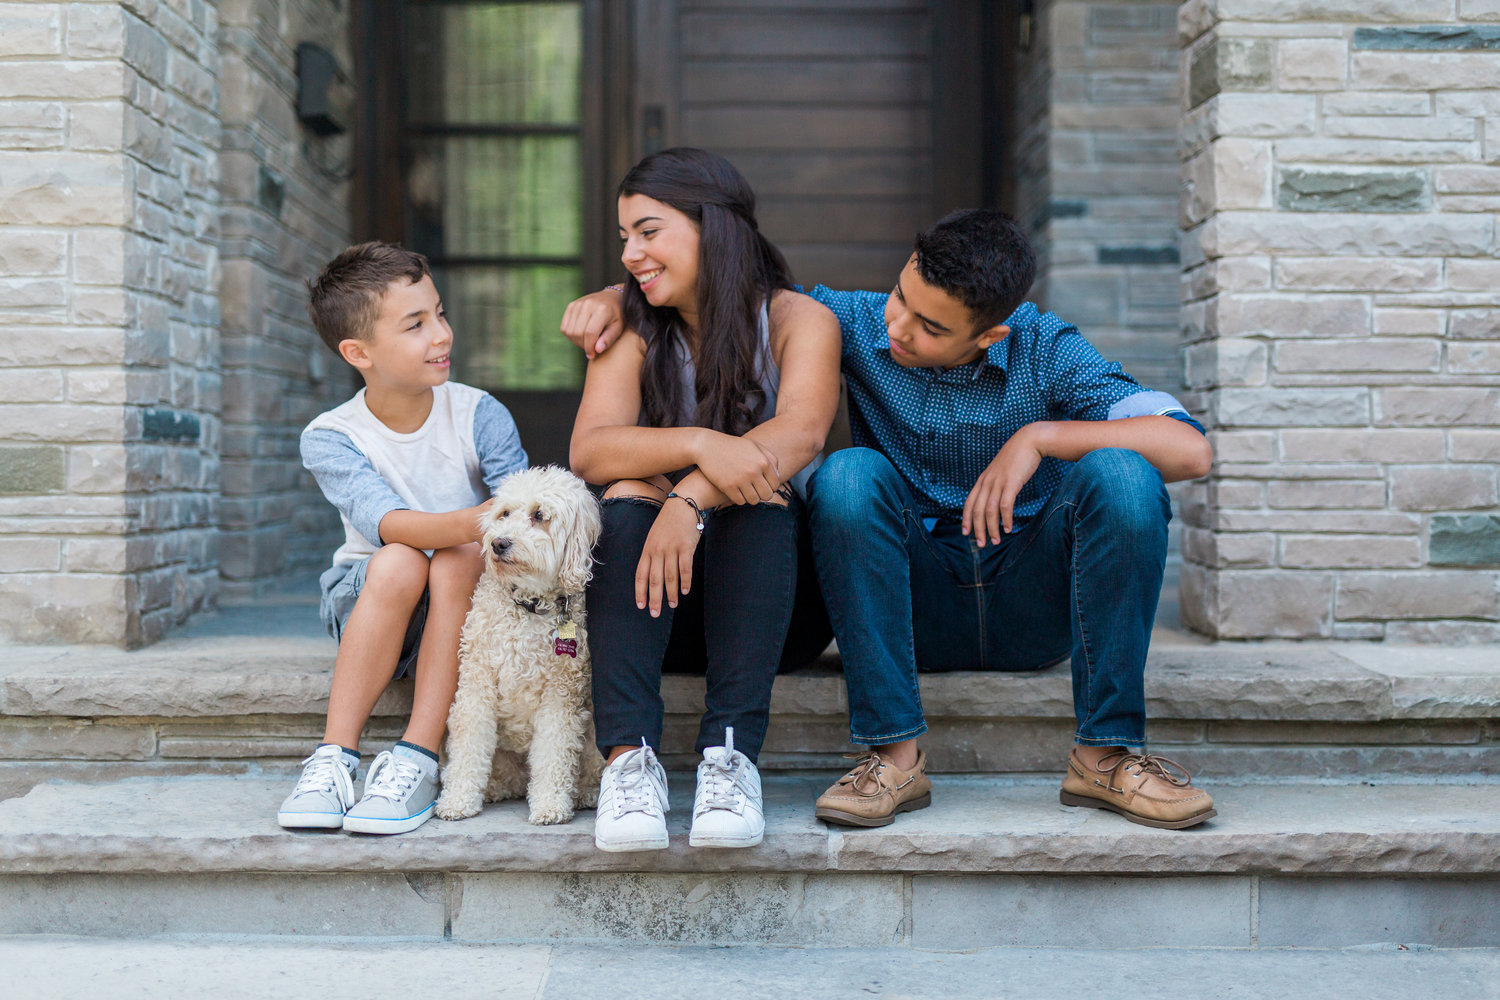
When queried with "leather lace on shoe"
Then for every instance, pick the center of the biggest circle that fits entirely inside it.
(1145, 763)
(325, 773)
(392, 778)
(636, 786)
(870, 766)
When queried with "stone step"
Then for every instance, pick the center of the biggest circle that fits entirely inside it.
(992, 862)
(248, 687)
(345, 970)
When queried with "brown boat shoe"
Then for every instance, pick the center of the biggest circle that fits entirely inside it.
(1144, 788)
(875, 791)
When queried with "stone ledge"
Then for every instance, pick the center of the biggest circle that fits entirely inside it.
(227, 676)
(975, 825)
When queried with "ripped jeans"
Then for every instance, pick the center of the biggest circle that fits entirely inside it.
(754, 608)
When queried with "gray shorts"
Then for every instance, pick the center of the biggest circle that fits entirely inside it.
(341, 585)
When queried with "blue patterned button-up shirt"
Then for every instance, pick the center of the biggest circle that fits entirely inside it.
(942, 428)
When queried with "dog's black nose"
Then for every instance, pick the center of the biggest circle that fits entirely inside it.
(500, 546)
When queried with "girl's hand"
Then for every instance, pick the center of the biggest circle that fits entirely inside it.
(743, 469)
(594, 321)
(666, 566)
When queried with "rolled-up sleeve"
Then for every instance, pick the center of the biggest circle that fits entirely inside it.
(349, 481)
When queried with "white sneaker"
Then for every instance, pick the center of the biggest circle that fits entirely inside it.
(324, 792)
(399, 796)
(632, 805)
(727, 809)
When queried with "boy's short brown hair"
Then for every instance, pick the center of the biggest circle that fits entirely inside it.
(344, 300)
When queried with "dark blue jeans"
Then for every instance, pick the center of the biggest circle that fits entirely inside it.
(1081, 577)
(753, 609)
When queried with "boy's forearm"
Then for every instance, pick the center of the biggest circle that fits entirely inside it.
(421, 530)
(1176, 449)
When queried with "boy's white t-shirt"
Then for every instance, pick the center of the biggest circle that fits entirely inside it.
(458, 456)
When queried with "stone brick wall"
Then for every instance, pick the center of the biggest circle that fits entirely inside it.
(111, 233)
(1342, 316)
(108, 232)
(285, 195)
(1113, 176)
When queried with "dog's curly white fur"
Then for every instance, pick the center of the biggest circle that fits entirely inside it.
(522, 720)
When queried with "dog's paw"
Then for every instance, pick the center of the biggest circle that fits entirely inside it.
(586, 799)
(548, 815)
(456, 807)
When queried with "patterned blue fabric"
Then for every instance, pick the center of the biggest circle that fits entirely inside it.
(942, 428)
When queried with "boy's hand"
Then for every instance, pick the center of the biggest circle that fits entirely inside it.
(477, 518)
(666, 566)
(989, 506)
(743, 469)
(594, 321)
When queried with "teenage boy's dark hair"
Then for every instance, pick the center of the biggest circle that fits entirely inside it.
(980, 257)
(345, 299)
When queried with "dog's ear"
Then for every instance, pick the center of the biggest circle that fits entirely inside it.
(581, 534)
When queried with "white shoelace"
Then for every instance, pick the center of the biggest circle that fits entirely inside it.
(392, 778)
(325, 772)
(637, 787)
(719, 779)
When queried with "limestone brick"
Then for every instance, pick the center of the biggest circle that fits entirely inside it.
(1421, 594)
(1424, 487)
(1362, 356)
(1273, 603)
(1359, 274)
(1328, 494)
(1311, 64)
(1291, 407)
(1437, 407)
(1349, 551)
(1474, 446)
(31, 29)
(1319, 445)
(1474, 358)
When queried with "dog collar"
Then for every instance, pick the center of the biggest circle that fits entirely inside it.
(541, 606)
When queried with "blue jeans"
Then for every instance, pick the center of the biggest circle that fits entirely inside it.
(1083, 577)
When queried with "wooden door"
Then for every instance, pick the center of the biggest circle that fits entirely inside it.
(493, 134)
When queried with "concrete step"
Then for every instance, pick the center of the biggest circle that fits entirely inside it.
(992, 862)
(248, 687)
(51, 969)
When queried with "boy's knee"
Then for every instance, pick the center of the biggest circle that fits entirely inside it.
(1127, 486)
(460, 565)
(397, 569)
(846, 479)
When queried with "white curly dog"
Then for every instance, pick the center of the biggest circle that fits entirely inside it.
(522, 721)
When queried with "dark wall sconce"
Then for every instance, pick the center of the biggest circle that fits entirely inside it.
(325, 98)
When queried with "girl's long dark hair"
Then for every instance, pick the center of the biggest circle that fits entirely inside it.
(738, 268)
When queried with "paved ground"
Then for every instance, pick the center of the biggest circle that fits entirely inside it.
(67, 968)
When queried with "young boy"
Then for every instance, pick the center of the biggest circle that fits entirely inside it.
(410, 463)
(1007, 484)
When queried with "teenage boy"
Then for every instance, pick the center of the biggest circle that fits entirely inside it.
(410, 462)
(1007, 487)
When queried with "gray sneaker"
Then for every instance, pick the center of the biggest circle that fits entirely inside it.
(399, 796)
(323, 794)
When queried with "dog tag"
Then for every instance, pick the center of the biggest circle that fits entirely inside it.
(565, 647)
(568, 630)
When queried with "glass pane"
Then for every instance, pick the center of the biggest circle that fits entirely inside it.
(505, 323)
(493, 63)
(496, 196)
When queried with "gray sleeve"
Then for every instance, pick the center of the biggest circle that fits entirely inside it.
(496, 441)
(349, 481)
